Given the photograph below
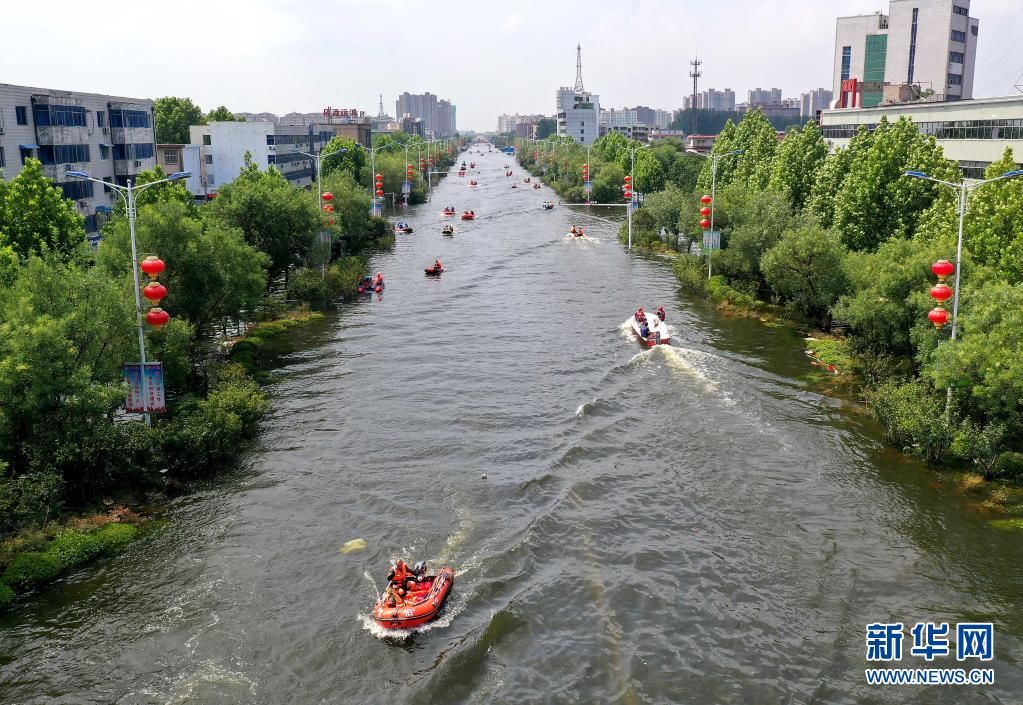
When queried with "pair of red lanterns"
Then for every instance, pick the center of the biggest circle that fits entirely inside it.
(940, 292)
(705, 212)
(408, 172)
(586, 172)
(380, 184)
(628, 189)
(328, 207)
(154, 291)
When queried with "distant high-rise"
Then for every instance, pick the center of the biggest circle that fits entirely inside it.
(768, 96)
(929, 47)
(814, 101)
(438, 117)
(712, 99)
(578, 111)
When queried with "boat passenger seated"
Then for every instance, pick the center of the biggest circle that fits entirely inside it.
(398, 575)
(644, 330)
(437, 265)
(572, 230)
(472, 213)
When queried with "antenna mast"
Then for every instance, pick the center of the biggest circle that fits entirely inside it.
(579, 69)
(695, 75)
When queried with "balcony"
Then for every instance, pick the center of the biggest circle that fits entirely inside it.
(59, 134)
(132, 167)
(56, 172)
(132, 135)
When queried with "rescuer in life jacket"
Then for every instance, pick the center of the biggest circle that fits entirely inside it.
(660, 312)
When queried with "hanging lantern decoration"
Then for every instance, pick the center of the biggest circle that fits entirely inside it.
(705, 223)
(328, 196)
(628, 189)
(705, 212)
(938, 316)
(328, 208)
(154, 291)
(942, 268)
(380, 184)
(941, 292)
(157, 317)
(152, 266)
(705, 200)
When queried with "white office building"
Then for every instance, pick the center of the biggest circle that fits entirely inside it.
(222, 148)
(973, 133)
(929, 47)
(110, 138)
(578, 115)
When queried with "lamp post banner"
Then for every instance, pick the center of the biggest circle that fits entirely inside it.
(154, 378)
(711, 240)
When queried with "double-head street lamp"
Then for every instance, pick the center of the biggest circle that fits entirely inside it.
(128, 193)
(630, 182)
(963, 190)
(714, 159)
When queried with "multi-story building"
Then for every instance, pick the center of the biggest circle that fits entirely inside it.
(928, 46)
(635, 131)
(256, 117)
(973, 133)
(223, 145)
(576, 109)
(182, 157)
(438, 117)
(813, 102)
(622, 117)
(108, 137)
(712, 99)
(762, 96)
(662, 119)
(412, 125)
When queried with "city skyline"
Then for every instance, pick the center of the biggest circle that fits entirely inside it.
(642, 57)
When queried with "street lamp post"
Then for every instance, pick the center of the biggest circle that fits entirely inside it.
(128, 193)
(317, 158)
(714, 159)
(963, 191)
(632, 182)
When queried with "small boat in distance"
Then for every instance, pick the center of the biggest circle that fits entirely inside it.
(656, 329)
(419, 603)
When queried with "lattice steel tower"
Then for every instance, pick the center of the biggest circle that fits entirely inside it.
(695, 75)
(579, 69)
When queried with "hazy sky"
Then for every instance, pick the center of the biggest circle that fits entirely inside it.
(487, 57)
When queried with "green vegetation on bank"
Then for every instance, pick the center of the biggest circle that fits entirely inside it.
(845, 241)
(67, 326)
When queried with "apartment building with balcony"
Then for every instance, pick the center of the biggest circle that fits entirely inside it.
(111, 138)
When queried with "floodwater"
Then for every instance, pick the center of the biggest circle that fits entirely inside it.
(688, 524)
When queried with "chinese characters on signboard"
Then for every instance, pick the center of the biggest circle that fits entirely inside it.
(155, 398)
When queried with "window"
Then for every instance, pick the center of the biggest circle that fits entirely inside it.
(912, 46)
(269, 139)
(2, 162)
(63, 153)
(956, 57)
(206, 140)
(47, 115)
(209, 158)
(90, 223)
(958, 36)
(973, 30)
(133, 151)
(271, 159)
(101, 118)
(109, 180)
(960, 11)
(21, 114)
(846, 62)
(26, 154)
(210, 180)
(129, 118)
(955, 79)
(104, 151)
(170, 157)
(76, 190)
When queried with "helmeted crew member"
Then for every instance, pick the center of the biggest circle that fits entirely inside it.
(398, 575)
(660, 312)
(437, 264)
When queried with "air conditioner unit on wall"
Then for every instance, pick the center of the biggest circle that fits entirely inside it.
(106, 130)
(138, 162)
(83, 204)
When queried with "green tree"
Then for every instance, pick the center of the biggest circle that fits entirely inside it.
(173, 118)
(877, 201)
(35, 216)
(799, 159)
(754, 223)
(221, 114)
(667, 207)
(994, 223)
(275, 217)
(211, 272)
(758, 140)
(805, 267)
(724, 144)
(352, 159)
(614, 147)
(169, 191)
(832, 175)
(546, 127)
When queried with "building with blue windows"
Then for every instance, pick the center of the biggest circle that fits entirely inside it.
(108, 137)
(920, 49)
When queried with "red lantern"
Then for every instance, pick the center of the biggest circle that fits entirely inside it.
(705, 211)
(379, 176)
(705, 224)
(157, 317)
(628, 179)
(938, 316)
(329, 208)
(380, 192)
(942, 268)
(152, 265)
(941, 292)
(328, 196)
(154, 291)
(705, 200)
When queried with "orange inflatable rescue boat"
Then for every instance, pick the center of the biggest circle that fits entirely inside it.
(420, 604)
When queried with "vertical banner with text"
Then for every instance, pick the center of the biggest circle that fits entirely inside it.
(156, 401)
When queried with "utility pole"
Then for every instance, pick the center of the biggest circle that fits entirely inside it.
(695, 75)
